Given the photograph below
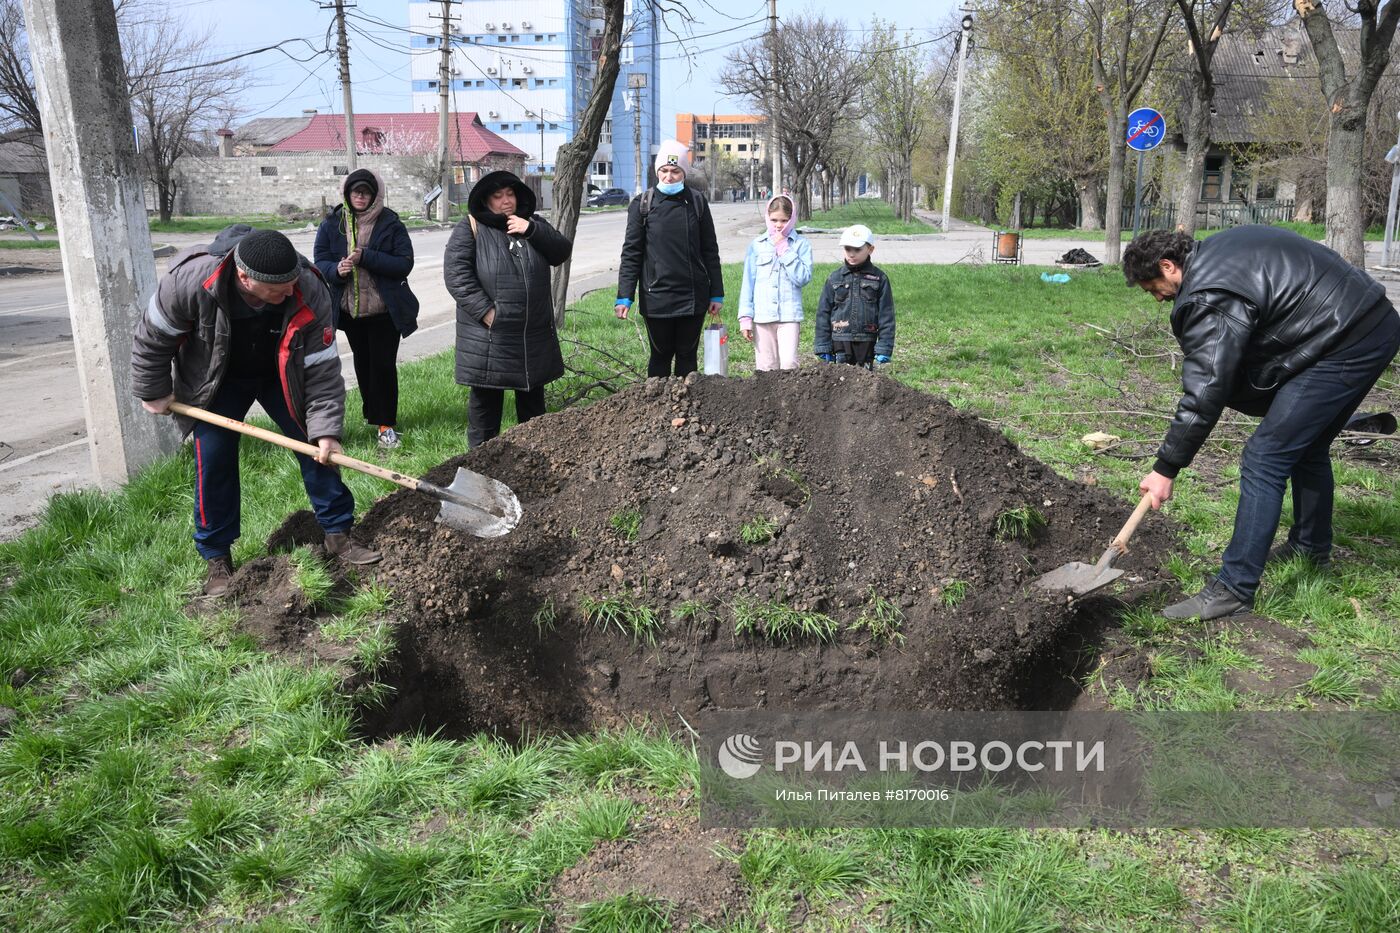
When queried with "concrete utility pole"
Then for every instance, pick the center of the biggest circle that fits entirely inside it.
(108, 268)
(635, 82)
(444, 86)
(773, 95)
(963, 41)
(344, 45)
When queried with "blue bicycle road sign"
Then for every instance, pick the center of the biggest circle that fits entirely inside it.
(1146, 129)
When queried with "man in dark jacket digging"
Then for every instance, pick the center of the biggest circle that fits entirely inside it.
(1276, 325)
(232, 324)
(497, 268)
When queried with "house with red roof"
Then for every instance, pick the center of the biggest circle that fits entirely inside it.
(469, 142)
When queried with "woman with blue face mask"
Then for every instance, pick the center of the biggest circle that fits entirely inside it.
(670, 262)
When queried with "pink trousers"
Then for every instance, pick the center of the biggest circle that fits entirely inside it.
(775, 346)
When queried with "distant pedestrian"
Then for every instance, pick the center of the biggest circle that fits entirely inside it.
(855, 314)
(235, 323)
(497, 268)
(365, 255)
(670, 259)
(777, 267)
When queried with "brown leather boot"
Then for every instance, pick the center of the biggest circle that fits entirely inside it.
(220, 576)
(342, 547)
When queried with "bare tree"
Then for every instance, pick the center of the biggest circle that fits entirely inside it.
(19, 107)
(176, 95)
(897, 92)
(178, 92)
(1124, 38)
(575, 156)
(1205, 23)
(1037, 66)
(1348, 99)
(819, 77)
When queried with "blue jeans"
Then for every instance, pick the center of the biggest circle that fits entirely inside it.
(1291, 444)
(216, 486)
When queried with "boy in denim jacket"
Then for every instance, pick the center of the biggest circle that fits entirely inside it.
(855, 316)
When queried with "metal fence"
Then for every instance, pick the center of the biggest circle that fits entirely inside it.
(1210, 215)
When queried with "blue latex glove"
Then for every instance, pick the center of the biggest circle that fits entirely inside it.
(1059, 278)
(881, 358)
(826, 357)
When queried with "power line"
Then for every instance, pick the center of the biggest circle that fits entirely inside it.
(267, 48)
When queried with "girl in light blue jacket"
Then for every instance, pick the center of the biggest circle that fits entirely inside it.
(778, 265)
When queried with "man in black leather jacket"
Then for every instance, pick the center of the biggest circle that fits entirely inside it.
(1274, 325)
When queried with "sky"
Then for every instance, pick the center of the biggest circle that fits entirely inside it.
(379, 60)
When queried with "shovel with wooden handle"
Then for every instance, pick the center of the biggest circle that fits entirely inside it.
(474, 503)
(1080, 578)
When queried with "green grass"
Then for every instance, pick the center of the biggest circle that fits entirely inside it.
(880, 619)
(24, 242)
(953, 593)
(165, 773)
(757, 530)
(781, 623)
(213, 224)
(1020, 524)
(627, 614)
(626, 523)
(1313, 231)
(873, 212)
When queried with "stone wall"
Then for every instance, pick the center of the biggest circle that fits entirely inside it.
(262, 184)
(30, 193)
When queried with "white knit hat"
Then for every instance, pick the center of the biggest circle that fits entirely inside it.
(673, 152)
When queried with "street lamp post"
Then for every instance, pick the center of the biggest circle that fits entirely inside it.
(712, 153)
(1387, 246)
(754, 159)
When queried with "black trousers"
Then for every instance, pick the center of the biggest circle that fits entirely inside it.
(484, 411)
(374, 345)
(856, 352)
(674, 338)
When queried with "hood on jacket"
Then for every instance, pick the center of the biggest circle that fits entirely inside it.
(489, 185)
(367, 217)
(228, 238)
(360, 175)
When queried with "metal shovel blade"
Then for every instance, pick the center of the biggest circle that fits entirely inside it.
(479, 505)
(1078, 578)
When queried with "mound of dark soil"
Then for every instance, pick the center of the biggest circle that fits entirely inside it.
(667, 858)
(875, 495)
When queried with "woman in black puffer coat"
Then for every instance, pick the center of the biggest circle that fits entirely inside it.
(497, 268)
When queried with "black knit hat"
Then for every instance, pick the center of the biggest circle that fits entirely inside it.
(267, 256)
(362, 177)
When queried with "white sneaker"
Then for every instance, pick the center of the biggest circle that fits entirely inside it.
(388, 438)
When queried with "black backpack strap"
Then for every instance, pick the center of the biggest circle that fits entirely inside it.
(697, 203)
